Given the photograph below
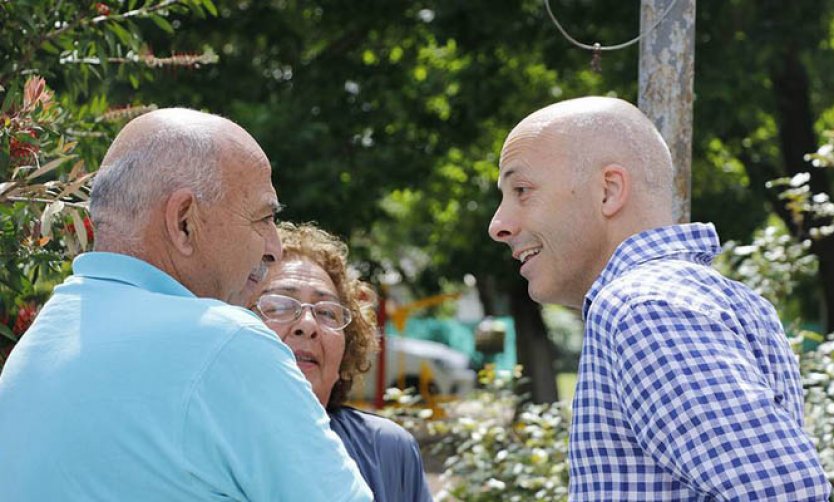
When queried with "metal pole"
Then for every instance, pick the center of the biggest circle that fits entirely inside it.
(667, 70)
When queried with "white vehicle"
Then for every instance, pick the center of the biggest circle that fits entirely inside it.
(445, 370)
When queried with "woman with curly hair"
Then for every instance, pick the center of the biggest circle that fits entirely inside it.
(326, 317)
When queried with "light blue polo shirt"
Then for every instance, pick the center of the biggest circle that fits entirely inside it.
(128, 387)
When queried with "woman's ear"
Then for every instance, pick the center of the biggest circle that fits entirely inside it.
(616, 189)
(180, 215)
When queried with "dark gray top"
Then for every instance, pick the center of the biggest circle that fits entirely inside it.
(387, 455)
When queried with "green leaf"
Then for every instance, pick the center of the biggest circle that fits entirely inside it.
(7, 332)
(125, 36)
(209, 5)
(11, 97)
(163, 24)
(50, 47)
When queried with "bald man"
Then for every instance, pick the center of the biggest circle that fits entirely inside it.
(141, 379)
(687, 386)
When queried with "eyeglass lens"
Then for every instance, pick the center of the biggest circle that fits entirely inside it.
(286, 309)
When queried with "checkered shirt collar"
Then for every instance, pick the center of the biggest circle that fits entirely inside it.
(697, 242)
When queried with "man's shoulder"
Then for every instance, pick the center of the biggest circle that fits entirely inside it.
(672, 282)
(665, 279)
(220, 313)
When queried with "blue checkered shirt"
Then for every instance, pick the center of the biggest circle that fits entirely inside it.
(688, 389)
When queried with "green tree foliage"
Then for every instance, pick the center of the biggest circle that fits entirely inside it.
(58, 62)
(764, 89)
(384, 120)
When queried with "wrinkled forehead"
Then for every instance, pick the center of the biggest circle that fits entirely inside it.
(300, 275)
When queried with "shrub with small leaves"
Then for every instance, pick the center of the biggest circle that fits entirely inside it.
(772, 265)
(817, 367)
(502, 449)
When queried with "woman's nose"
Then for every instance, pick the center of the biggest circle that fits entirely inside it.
(306, 324)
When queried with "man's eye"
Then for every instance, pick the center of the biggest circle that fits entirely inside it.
(520, 190)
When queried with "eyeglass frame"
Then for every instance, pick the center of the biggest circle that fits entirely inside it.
(299, 311)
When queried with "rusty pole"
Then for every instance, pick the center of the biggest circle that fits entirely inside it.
(667, 70)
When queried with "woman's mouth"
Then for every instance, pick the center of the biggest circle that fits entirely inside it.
(305, 360)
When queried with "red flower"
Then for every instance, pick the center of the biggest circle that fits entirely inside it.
(25, 316)
(88, 226)
(103, 9)
(23, 150)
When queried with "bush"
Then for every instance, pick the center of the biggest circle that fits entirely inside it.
(817, 368)
(498, 448)
(501, 448)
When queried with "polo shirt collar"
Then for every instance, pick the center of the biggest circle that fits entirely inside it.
(697, 242)
(128, 270)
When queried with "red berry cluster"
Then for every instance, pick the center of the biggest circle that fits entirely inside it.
(23, 151)
(88, 226)
(103, 9)
(25, 316)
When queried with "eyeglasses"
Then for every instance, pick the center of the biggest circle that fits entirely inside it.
(283, 309)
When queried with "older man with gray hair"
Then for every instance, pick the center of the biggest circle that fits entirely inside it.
(140, 380)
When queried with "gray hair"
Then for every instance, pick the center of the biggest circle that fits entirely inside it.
(149, 168)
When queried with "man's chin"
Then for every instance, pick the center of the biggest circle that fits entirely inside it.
(542, 295)
(247, 296)
(535, 295)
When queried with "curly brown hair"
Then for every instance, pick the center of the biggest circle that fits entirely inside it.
(330, 253)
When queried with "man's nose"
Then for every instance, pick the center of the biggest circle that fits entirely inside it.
(501, 227)
(274, 251)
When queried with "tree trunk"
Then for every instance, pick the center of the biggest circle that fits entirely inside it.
(797, 138)
(535, 350)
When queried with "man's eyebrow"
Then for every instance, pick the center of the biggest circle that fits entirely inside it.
(506, 174)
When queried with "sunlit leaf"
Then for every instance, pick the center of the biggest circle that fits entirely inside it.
(73, 187)
(80, 229)
(48, 216)
(49, 166)
(209, 5)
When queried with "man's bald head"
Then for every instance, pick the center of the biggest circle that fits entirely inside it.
(190, 193)
(577, 178)
(154, 155)
(594, 132)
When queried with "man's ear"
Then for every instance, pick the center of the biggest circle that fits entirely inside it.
(616, 188)
(180, 220)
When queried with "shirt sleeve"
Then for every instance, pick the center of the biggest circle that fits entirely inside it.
(253, 430)
(700, 406)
